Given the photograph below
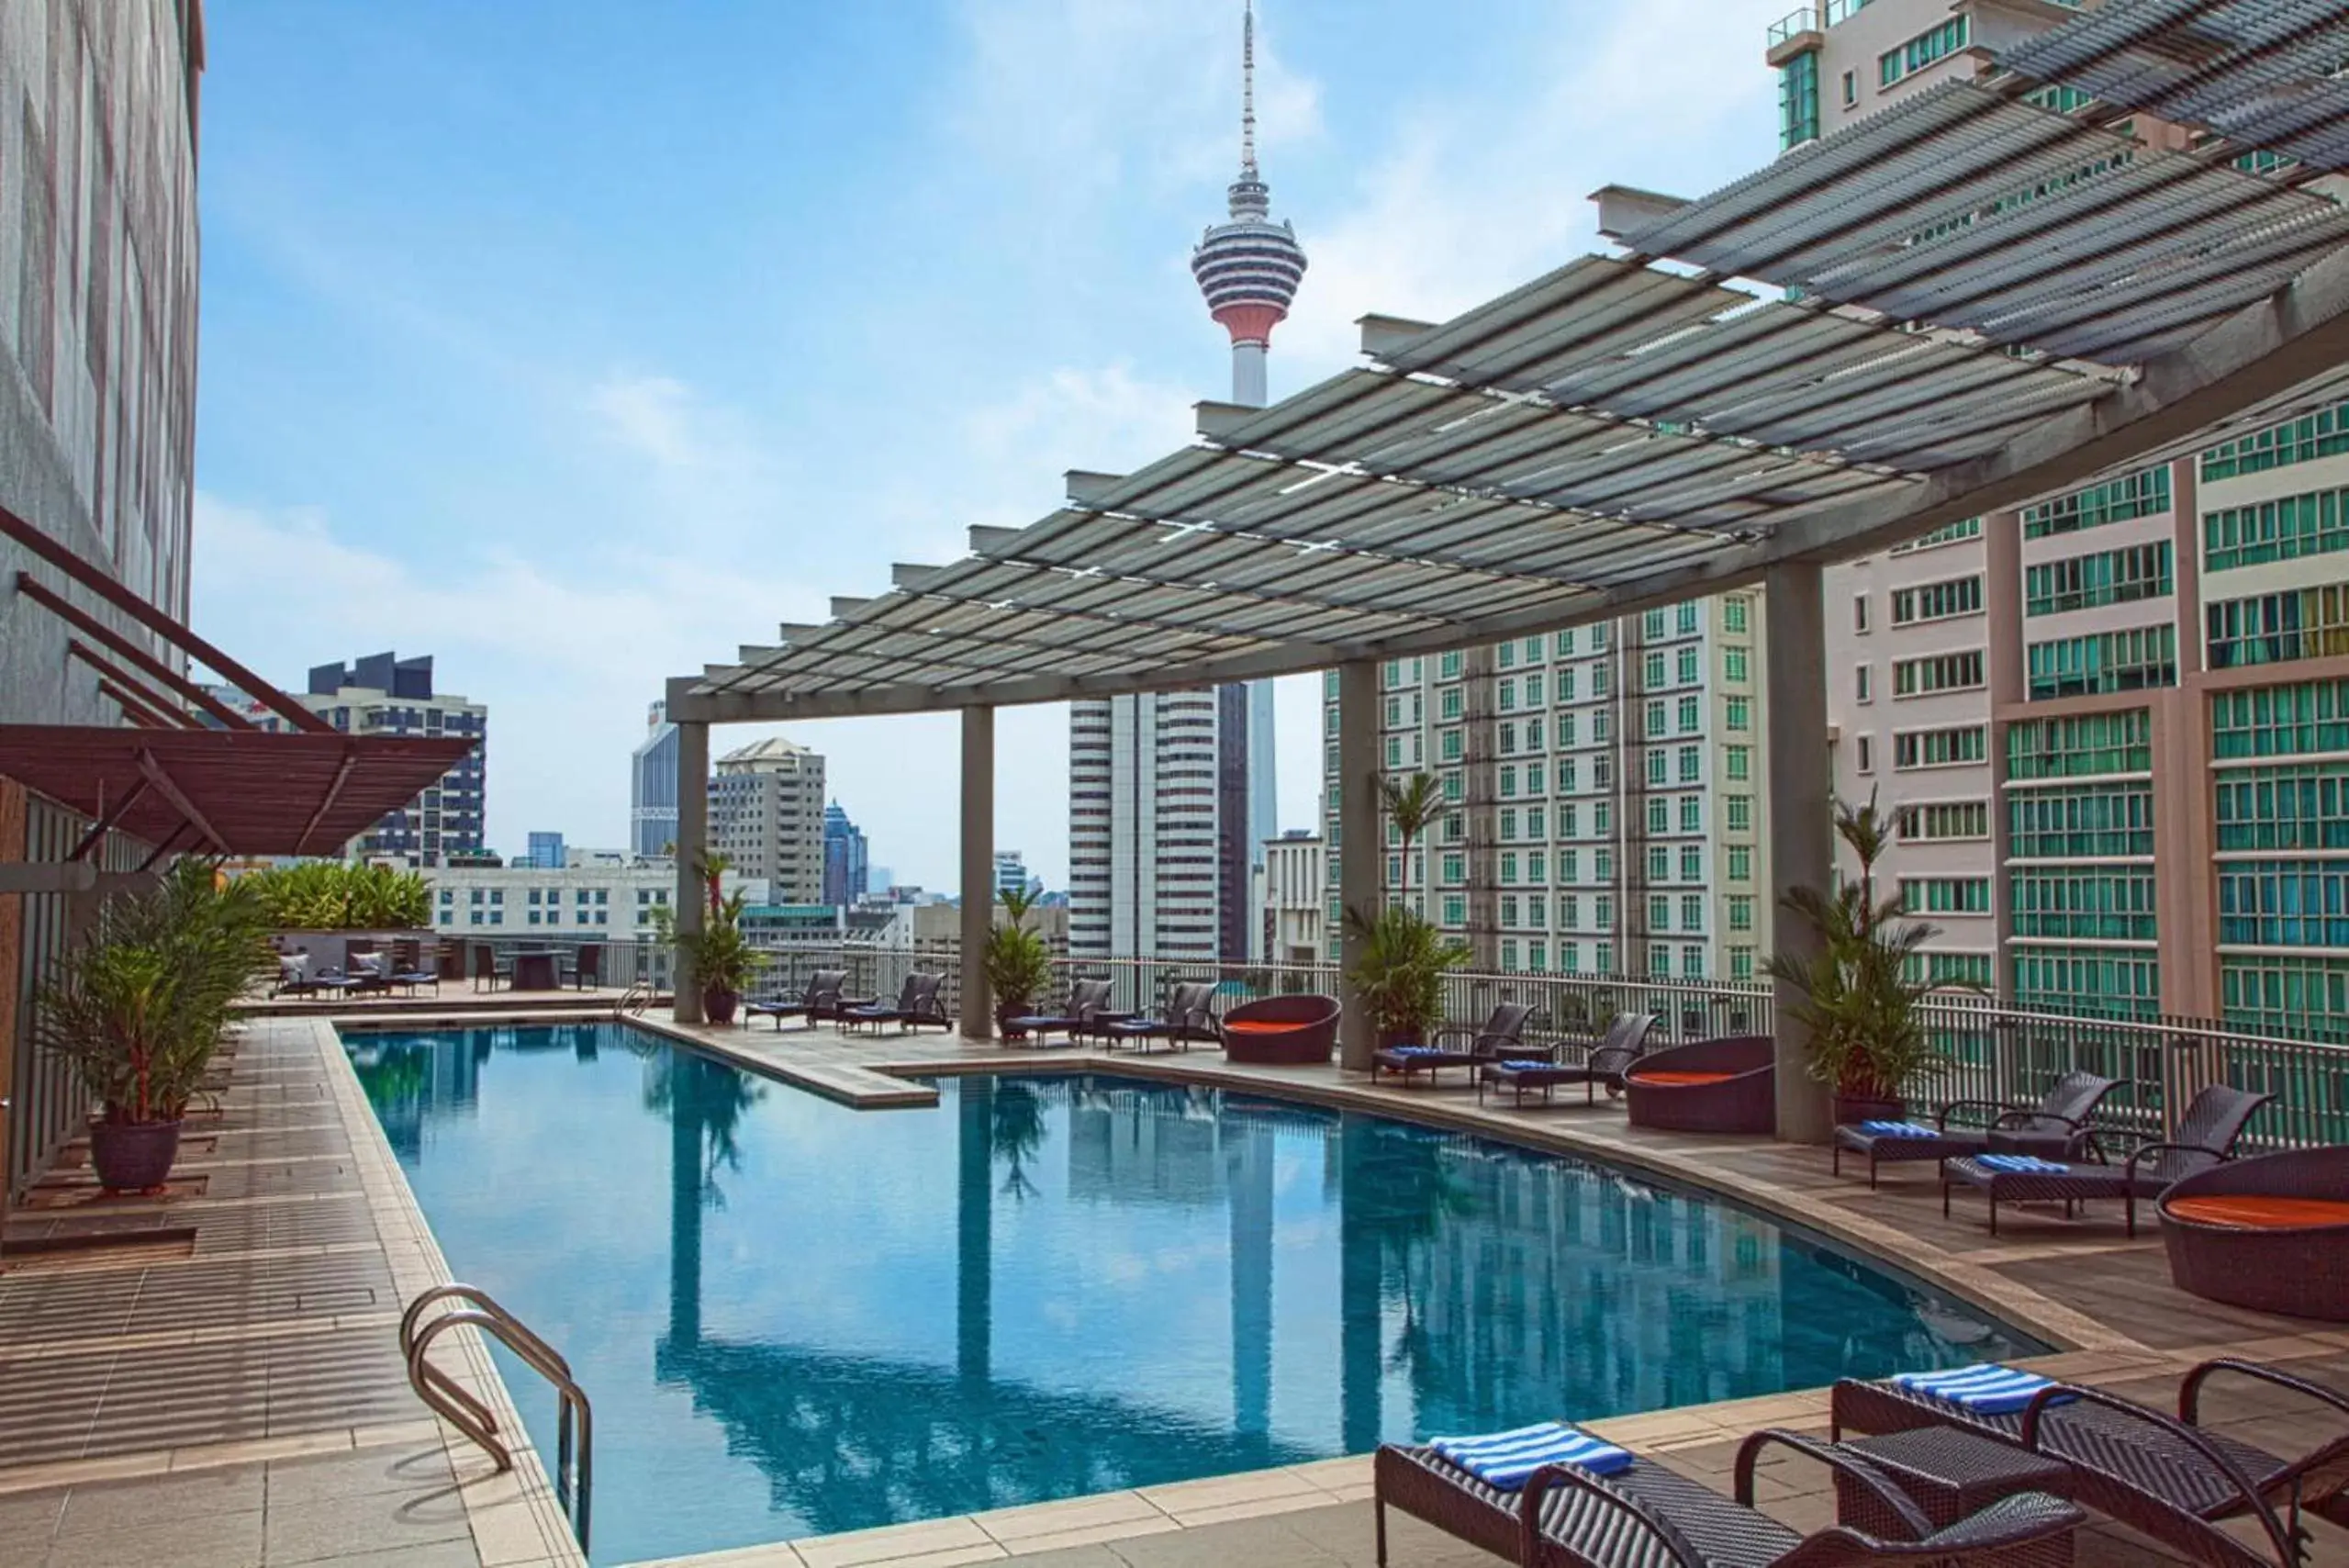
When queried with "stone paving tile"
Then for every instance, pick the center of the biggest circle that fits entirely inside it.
(215, 1540)
(106, 1507)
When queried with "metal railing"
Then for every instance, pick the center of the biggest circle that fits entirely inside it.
(573, 1465)
(627, 960)
(1791, 25)
(1988, 1049)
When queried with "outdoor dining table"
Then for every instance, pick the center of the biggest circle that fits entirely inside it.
(535, 971)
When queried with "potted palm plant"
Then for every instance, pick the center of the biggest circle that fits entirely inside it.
(1400, 971)
(1019, 964)
(722, 960)
(139, 1006)
(1859, 998)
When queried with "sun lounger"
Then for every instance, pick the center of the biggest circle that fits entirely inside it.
(1502, 1037)
(1602, 1065)
(820, 999)
(2056, 1128)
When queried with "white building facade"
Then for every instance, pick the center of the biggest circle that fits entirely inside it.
(1143, 868)
(766, 817)
(1295, 898)
(580, 903)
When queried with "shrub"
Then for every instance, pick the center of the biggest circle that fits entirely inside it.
(327, 895)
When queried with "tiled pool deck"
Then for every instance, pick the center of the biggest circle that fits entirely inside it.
(235, 1399)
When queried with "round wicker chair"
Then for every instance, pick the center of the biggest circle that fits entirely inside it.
(1729, 1085)
(1281, 1031)
(2270, 1233)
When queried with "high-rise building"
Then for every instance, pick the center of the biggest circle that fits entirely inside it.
(1296, 897)
(1604, 788)
(382, 694)
(2110, 725)
(1172, 796)
(652, 788)
(546, 851)
(847, 862)
(1012, 873)
(766, 817)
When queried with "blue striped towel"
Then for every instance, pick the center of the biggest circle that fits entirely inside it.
(1505, 1459)
(1984, 1388)
(2029, 1164)
(1898, 1129)
(1517, 1066)
(1413, 1051)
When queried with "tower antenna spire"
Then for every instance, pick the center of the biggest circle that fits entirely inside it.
(1247, 92)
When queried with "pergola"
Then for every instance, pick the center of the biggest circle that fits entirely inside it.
(1963, 302)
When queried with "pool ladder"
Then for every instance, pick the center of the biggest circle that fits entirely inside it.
(462, 1409)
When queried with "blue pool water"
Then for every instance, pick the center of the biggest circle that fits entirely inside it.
(795, 1318)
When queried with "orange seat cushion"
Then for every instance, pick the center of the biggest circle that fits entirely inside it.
(1681, 1080)
(1261, 1026)
(2249, 1212)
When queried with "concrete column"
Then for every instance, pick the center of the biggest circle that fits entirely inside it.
(978, 870)
(2002, 583)
(1361, 849)
(692, 844)
(1800, 808)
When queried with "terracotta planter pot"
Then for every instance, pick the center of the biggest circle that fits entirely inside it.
(133, 1157)
(718, 1006)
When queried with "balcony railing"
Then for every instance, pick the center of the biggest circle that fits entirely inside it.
(1989, 1051)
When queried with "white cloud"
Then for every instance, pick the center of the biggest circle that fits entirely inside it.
(649, 414)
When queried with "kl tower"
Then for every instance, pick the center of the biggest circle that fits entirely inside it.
(1250, 267)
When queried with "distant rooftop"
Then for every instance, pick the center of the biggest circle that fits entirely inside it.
(384, 672)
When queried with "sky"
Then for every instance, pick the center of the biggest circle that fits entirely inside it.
(575, 343)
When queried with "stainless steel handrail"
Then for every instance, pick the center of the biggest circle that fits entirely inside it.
(463, 1411)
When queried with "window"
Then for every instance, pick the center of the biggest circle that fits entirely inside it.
(1938, 748)
(1603, 865)
(1937, 601)
(1733, 665)
(2141, 494)
(1935, 967)
(1509, 691)
(1692, 764)
(1564, 643)
(1686, 616)
(1652, 670)
(2110, 576)
(2324, 433)
(1741, 910)
(2107, 661)
(1862, 684)
(1798, 100)
(1657, 763)
(1660, 960)
(1508, 864)
(1507, 655)
(1692, 911)
(1455, 869)
(1741, 963)
(1534, 822)
(2292, 806)
(1933, 44)
(1953, 819)
(1740, 812)
(1394, 753)
(1509, 775)
(1692, 813)
(1452, 704)
(1689, 715)
(1449, 746)
(1863, 753)
(1740, 863)
(1570, 866)
(1508, 822)
(1940, 672)
(1659, 912)
(1533, 691)
(1455, 910)
(1567, 775)
(1602, 911)
(1659, 863)
(2281, 529)
(1659, 814)
(2276, 628)
(1691, 863)
(1859, 612)
(1447, 665)
(2093, 743)
(1652, 625)
(1598, 637)
(1737, 763)
(1598, 681)
(1948, 533)
(1946, 895)
(1569, 911)
(1655, 725)
(1686, 667)
(1737, 715)
(1566, 693)
(1734, 612)
(1851, 88)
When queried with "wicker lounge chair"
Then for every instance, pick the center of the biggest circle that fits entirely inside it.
(2052, 1129)
(2206, 1138)
(409, 968)
(1602, 1064)
(1503, 1035)
(1188, 1019)
(2269, 1232)
(294, 976)
(917, 1003)
(2166, 1476)
(1729, 1085)
(1656, 1518)
(1283, 1031)
(1088, 1003)
(820, 999)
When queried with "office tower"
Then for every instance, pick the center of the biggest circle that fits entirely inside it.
(2110, 723)
(1172, 795)
(1603, 789)
(652, 788)
(766, 817)
(1011, 872)
(382, 694)
(847, 864)
(546, 851)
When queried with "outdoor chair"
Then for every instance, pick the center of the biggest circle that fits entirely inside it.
(294, 976)
(485, 966)
(917, 1003)
(2171, 1477)
(1729, 1085)
(1502, 1037)
(1190, 1017)
(2056, 1128)
(1649, 1515)
(1602, 1064)
(409, 970)
(586, 970)
(1088, 1009)
(2270, 1233)
(1291, 1030)
(368, 972)
(2205, 1138)
(820, 999)
(449, 962)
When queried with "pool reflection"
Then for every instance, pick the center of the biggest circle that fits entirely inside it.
(1377, 1281)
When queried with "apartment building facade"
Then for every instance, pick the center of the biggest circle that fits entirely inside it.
(766, 805)
(1293, 904)
(1604, 795)
(652, 788)
(1147, 853)
(2112, 725)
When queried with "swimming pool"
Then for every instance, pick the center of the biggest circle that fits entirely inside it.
(796, 1318)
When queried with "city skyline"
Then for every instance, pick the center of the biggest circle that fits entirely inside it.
(473, 407)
